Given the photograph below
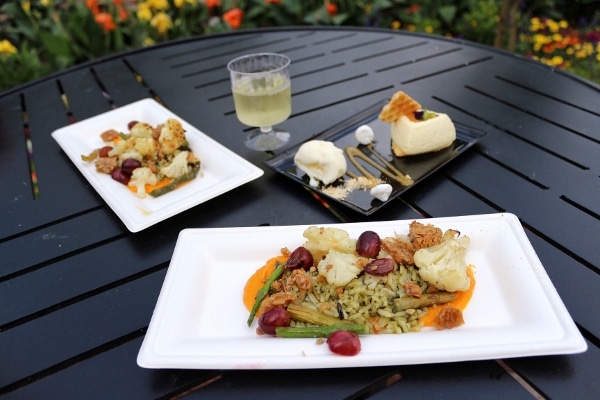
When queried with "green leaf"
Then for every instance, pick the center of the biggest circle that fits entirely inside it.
(57, 45)
(12, 8)
(254, 12)
(339, 19)
(447, 13)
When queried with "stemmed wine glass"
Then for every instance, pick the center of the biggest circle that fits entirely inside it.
(261, 89)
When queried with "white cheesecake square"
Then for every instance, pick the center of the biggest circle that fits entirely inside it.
(418, 137)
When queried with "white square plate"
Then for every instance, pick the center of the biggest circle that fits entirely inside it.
(200, 320)
(221, 169)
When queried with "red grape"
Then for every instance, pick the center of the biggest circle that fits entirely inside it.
(368, 244)
(273, 318)
(129, 165)
(380, 267)
(120, 176)
(344, 343)
(300, 258)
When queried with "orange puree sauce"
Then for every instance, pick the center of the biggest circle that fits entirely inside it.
(461, 302)
(150, 188)
(258, 280)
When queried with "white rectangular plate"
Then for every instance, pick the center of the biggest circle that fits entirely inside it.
(221, 169)
(200, 320)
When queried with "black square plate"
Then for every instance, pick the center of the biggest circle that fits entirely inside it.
(418, 167)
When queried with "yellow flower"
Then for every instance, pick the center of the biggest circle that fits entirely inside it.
(557, 60)
(148, 42)
(557, 37)
(144, 13)
(26, 6)
(181, 3)
(161, 22)
(158, 4)
(534, 24)
(7, 48)
(553, 26)
(563, 24)
(429, 29)
(539, 40)
(412, 28)
(46, 3)
(396, 25)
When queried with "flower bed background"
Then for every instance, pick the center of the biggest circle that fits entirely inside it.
(40, 37)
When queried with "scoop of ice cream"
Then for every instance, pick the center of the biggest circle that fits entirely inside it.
(364, 134)
(382, 191)
(321, 161)
(417, 137)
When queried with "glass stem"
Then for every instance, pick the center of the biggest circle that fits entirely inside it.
(266, 129)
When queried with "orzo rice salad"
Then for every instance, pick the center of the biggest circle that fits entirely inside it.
(364, 285)
(150, 160)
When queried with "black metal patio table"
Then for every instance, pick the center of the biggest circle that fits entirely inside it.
(78, 289)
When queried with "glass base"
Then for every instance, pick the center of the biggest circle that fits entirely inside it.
(265, 141)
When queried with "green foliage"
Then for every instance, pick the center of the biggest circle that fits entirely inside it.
(54, 34)
(479, 22)
(23, 66)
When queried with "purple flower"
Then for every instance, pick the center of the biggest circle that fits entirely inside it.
(593, 36)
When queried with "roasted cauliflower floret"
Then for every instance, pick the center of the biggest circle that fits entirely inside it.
(130, 154)
(120, 147)
(142, 130)
(339, 268)
(443, 265)
(178, 167)
(172, 136)
(140, 178)
(145, 146)
(320, 240)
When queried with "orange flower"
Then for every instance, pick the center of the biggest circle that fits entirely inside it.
(93, 6)
(234, 17)
(549, 48)
(332, 9)
(105, 20)
(213, 3)
(414, 8)
(123, 14)
(272, 1)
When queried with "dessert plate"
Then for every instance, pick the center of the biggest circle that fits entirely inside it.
(418, 167)
(200, 320)
(221, 169)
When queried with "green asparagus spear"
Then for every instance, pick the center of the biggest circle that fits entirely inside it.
(319, 331)
(264, 291)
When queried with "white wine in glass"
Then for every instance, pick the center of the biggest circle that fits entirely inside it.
(262, 96)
